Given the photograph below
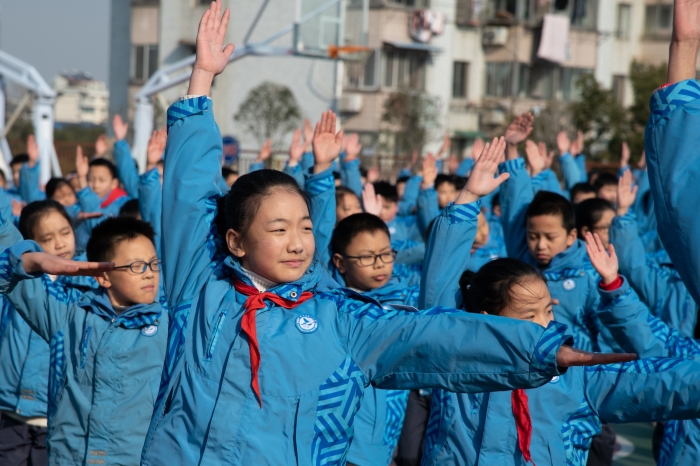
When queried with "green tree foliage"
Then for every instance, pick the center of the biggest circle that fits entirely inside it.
(270, 111)
(410, 121)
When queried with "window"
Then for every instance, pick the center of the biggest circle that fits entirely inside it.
(362, 74)
(498, 79)
(659, 19)
(404, 69)
(459, 79)
(144, 62)
(463, 13)
(619, 89)
(568, 85)
(411, 3)
(624, 13)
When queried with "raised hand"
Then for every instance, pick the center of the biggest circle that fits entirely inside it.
(81, 167)
(34, 262)
(686, 21)
(327, 143)
(445, 148)
(296, 150)
(119, 127)
(370, 201)
(265, 151)
(625, 157)
(352, 146)
(642, 164)
(156, 147)
(372, 174)
(563, 143)
(577, 148)
(101, 146)
(482, 182)
(308, 135)
(32, 151)
(430, 171)
(17, 207)
(519, 129)
(569, 357)
(626, 193)
(212, 56)
(477, 148)
(604, 262)
(535, 161)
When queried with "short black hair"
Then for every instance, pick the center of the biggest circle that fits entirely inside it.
(442, 178)
(110, 233)
(53, 184)
(336, 175)
(496, 200)
(130, 209)
(402, 179)
(352, 226)
(605, 179)
(35, 211)
(107, 164)
(341, 192)
(582, 188)
(19, 159)
(549, 203)
(460, 182)
(363, 172)
(386, 190)
(226, 172)
(589, 212)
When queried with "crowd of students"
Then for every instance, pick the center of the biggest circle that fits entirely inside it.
(479, 311)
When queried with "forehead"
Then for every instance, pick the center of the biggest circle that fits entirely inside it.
(374, 240)
(529, 292)
(547, 222)
(139, 248)
(607, 216)
(52, 219)
(100, 170)
(282, 204)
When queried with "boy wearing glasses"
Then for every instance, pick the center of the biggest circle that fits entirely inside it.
(363, 261)
(107, 346)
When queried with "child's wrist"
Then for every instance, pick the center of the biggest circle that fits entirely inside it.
(622, 211)
(609, 281)
(467, 197)
(321, 167)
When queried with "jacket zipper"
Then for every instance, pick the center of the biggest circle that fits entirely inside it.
(84, 347)
(215, 335)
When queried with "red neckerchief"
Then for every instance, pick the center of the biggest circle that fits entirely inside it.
(255, 301)
(523, 422)
(113, 196)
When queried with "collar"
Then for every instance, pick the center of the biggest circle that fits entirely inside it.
(259, 282)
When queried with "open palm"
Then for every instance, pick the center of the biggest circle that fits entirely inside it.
(604, 262)
(212, 56)
(327, 143)
(34, 262)
(686, 20)
(482, 181)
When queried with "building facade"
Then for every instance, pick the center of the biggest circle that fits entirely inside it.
(80, 100)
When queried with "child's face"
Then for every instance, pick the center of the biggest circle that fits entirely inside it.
(602, 227)
(389, 210)
(582, 196)
(64, 195)
(400, 189)
(482, 232)
(367, 245)
(347, 206)
(609, 193)
(127, 288)
(15, 173)
(547, 237)
(101, 181)
(55, 235)
(279, 244)
(446, 193)
(530, 301)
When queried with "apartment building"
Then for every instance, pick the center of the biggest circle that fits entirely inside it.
(80, 99)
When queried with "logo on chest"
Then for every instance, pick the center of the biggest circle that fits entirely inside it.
(306, 324)
(569, 284)
(555, 379)
(149, 330)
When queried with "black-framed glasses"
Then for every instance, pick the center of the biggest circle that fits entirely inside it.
(371, 259)
(140, 267)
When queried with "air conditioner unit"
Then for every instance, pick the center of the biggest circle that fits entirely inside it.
(350, 103)
(493, 117)
(495, 35)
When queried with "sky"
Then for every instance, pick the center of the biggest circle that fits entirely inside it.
(58, 35)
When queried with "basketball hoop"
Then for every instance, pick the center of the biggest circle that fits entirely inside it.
(354, 56)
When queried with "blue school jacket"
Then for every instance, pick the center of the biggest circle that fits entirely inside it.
(316, 359)
(471, 429)
(659, 286)
(151, 202)
(104, 368)
(127, 170)
(569, 277)
(570, 171)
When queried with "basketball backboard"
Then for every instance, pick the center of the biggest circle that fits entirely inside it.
(322, 25)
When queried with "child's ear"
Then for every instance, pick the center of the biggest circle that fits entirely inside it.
(235, 243)
(115, 183)
(571, 238)
(104, 281)
(584, 230)
(339, 263)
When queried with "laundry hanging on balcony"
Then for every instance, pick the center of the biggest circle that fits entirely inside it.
(554, 42)
(424, 24)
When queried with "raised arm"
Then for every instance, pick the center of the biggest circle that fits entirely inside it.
(126, 166)
(193, 164)
(29, 174)
(350, 165)
(151, 203)
(672, 151)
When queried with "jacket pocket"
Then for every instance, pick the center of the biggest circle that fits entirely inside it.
(216, 331)
(84, 347)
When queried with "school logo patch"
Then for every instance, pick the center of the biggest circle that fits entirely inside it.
(306, 324)
(149, 330)
(569, 284)
(555, 379)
